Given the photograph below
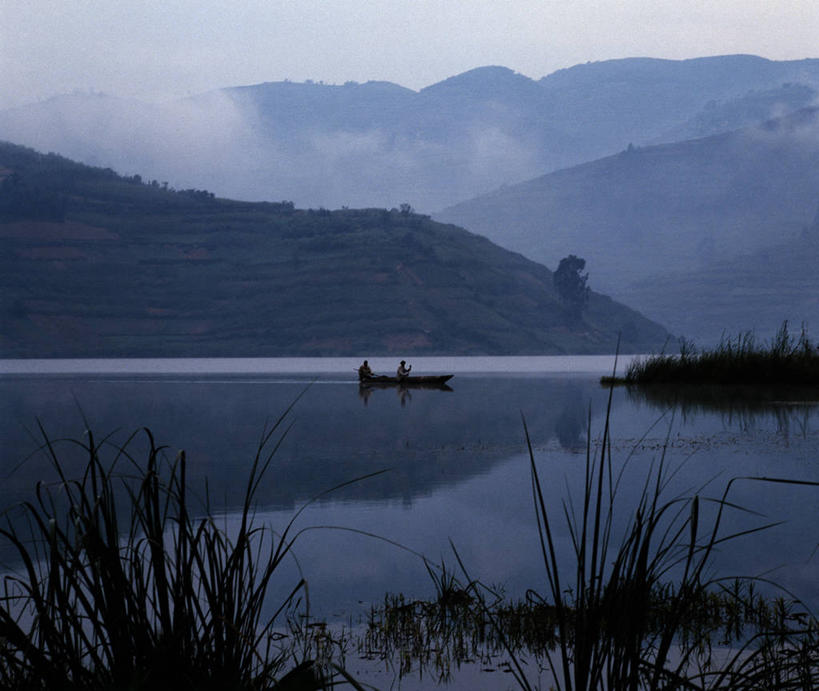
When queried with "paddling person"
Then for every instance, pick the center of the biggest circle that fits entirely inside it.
(403, 370)
(364, 372)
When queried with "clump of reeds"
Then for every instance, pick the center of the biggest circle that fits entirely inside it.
(436, 637)
(786, 361)
(737, 632)
(121, 586)
(628, 617)
(632, 608)
(631, 615)
(430, 635)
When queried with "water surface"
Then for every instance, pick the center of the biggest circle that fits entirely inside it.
(454, 460)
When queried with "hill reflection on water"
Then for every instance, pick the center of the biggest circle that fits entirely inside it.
(425, 437)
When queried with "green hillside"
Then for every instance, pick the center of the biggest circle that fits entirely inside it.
(94, 264)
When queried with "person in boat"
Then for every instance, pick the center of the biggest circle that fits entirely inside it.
(364, 372)
(403, 370)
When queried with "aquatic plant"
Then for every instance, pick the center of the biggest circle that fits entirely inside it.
(122, 586)
(630, 615)
(633, 605)
(786, 361)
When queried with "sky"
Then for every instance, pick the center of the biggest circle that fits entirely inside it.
(164, 49)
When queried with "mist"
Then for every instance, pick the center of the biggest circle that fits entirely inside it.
(378, 144)
(227, 147)
(183, 143)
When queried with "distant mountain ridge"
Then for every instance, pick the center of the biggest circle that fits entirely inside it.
(379, 144)
(671, 210)
(754, 107)
(753, 291)
(687, 201)
(93, 264)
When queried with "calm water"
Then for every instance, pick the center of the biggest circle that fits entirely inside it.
(455, 461)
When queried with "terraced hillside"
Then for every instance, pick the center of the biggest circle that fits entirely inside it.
(94, 264)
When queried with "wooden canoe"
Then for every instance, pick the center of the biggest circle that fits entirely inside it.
(427, 380)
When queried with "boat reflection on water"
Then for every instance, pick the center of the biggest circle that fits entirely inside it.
(402, 387)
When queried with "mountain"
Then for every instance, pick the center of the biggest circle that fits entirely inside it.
(754, 291)
(95, 264)
(649, 212)
(379, 144)
(751, 109)
(613, 103)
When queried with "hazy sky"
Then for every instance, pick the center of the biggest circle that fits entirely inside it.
(166, 48)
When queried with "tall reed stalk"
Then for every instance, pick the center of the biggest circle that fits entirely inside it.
(122, 587)
(622, 618)
(630, 604)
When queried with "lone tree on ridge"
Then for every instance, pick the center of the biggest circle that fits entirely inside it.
(571, 286)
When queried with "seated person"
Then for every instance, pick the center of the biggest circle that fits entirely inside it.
(403, 370)
(364, 372)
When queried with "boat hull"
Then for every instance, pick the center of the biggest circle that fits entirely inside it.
(417, 381)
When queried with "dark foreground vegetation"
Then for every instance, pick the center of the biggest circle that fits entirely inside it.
(786, 361)
(121, 584)
(634, 609)
(730, 638)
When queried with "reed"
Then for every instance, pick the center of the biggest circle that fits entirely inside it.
(626, 616)
(634, 603)
(786, 361)
(121, 586)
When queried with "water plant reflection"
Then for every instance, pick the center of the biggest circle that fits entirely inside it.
(791, 408)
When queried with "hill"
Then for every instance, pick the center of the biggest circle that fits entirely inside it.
(95, 264)
(379, 144)
(756, 290)
(654, 211)
(644, 100)
(753, 108)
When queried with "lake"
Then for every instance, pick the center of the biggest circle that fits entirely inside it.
(455, 462)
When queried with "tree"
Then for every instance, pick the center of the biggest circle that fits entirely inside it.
(571, 286)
